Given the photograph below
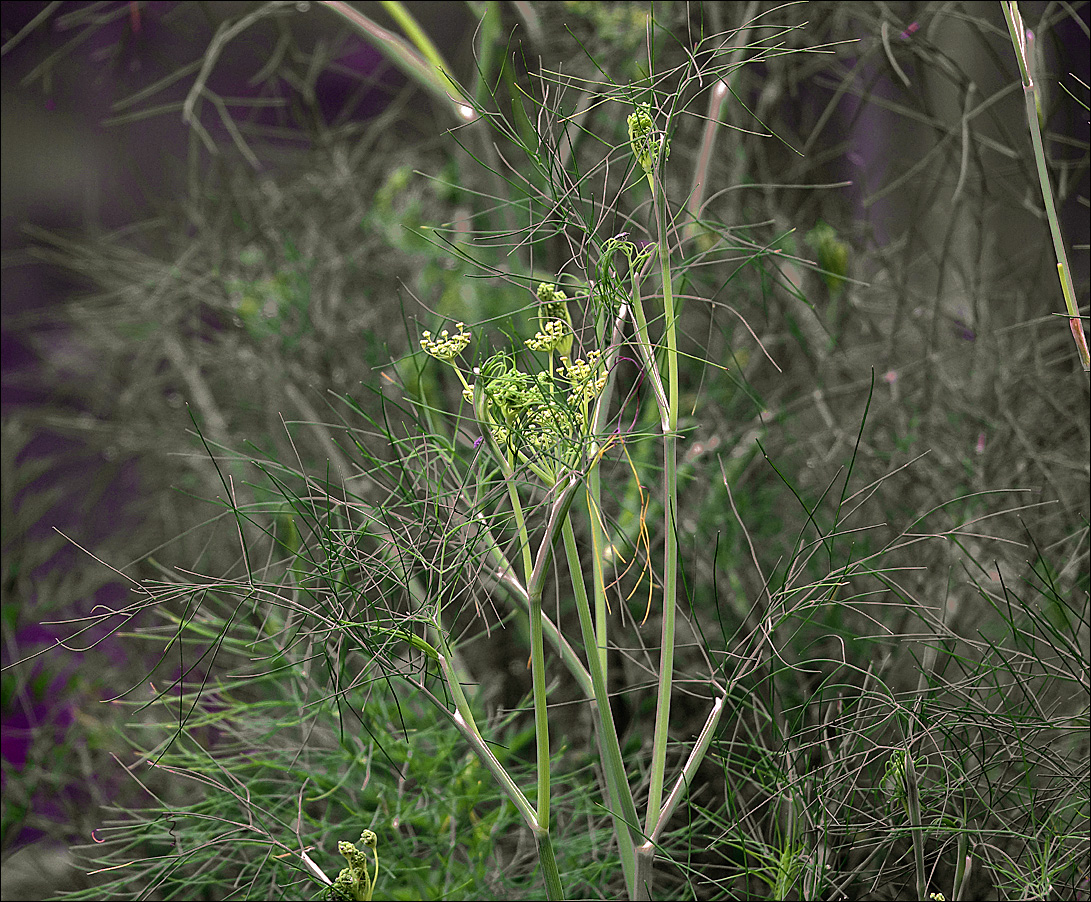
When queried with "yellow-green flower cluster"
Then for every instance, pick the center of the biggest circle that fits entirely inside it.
(587, 377)
(644, 139)
(540, 418)
(446, 347)
(550, 337)
(544, 428)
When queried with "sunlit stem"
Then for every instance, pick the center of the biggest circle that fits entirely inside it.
(546, 858)
(670, 522)
(689, 769)
(913, 810)
(541, 715)
(455, 685)
(424, 45)
(430, 72)
(598, 548)
(446, 656)
(963, 863)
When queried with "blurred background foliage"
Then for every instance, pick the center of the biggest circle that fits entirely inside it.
(234, 258)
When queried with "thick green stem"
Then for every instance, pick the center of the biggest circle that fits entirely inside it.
(547, 859)
(666, 650)
(647, 352)
(670, 523)
(537, 656)
(516, 588)
(598, 546)
(962, 865)
(670, 326)
(623, 808)
(645, 853)
(484, 753)
(554, 889)
(689, 769)
(568, 655)
(541, 713)
(913, 810)
(520, 522)
(454, 684)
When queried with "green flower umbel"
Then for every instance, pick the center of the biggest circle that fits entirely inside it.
(446, 347)
(587, 379)
(551, 336)
(645, 140)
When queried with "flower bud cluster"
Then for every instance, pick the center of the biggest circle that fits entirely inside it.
(645, 140)
(552, 300)
(894, 777)
(555, 333)
(446, 348)
(520, 407)
(355, 882)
